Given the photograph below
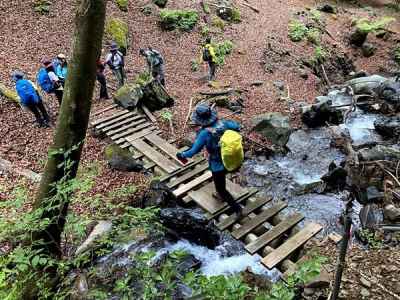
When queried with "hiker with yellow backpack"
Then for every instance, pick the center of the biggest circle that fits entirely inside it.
(224, 147)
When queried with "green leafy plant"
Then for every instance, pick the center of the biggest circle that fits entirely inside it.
(178, 19)
(205, 30)
(194, 65)
(297, 30)
(320, 55)
(314, 36)
(371, 238)
(222, 49)
(42, 6)
(366, 26)
(315, 15)
(218, 23)
(143, 78)
(166, 115)
(122, 4)
(236, 16)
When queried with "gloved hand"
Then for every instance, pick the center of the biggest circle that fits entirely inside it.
(181, 158)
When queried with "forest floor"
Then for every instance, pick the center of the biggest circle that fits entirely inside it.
(26, 37)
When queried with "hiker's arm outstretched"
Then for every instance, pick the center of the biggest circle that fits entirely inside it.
(197, 146)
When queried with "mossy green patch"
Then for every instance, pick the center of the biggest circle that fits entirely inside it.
(222, 49)
(143, 78)
(396, 54)
(297, 30)
(236, 16)
(122, 4)
(42, 6)
(117, 30)
(178, 19)
(366, 26)
(218, 23)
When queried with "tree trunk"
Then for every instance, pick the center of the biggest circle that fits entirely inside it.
(64, 155)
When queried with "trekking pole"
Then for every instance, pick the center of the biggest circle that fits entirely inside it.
(343, 249)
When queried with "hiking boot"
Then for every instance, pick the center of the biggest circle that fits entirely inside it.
(216, 196)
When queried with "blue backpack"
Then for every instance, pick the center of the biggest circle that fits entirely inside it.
(44, 81)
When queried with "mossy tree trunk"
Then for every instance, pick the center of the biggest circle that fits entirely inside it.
(65, 153)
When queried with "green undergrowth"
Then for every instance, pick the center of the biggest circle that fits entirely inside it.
(42, 6)
(117, 30)
(184, 20)
(366, 25)
(222, 49)
(122, 4)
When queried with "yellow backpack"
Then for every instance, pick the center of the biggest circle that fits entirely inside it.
(231, 150)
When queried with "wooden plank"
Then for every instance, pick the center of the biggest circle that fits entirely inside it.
(128, 132)
(251, 193)
(141, 134)
(115, 120)
(246, 210)
(205, 199)
(164, 146)
(187, 176)
(139, 154)
(105, 119)
(126, 127)
(182, 170)
(258, 220)
(192, 184)
(148, 113)
(153, 155)
(99, 112)
(291, 245)
(123, 122)
(275, 232)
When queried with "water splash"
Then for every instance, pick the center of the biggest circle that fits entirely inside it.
(214, 263)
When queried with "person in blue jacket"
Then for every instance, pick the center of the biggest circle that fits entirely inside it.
(61, 68)
(30, 98)
(208, 136)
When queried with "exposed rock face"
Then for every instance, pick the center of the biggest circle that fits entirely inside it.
(368, 49)
(151, 94)
(392, 213)
(320, 113)
(121, 159)
(191, 225)
(388, 127)
(366, 85)
(158, 195)
(380, 152)
(273, 126)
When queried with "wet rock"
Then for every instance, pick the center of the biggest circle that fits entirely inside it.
(368, 50)
(388, 127)
(274, 126)
(336, 177)
(358, 74)
(160, 3)
(191, 225)
(121, 159)
(391, 213)
(182, 292)
(255, 280)
(309, 292)
(366, 85)
(81, 287)
(390, 92)
(380, 152)
(320, 113)
(158, 195)
(189, 263)
(327, 8)
(101, 229)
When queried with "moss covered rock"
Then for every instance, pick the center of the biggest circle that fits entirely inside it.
(160, 3)
(178, 19)
(144, 91)
(129, 95)
(117, 30)
(121, 159)
(8, 94)
(122, 4)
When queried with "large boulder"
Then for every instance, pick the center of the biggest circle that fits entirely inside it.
(380, 152)
(121, 159)
(191, 225)
(390, 92)
(129, 95)
(100, 230)
(274, 126)
(366, 85)
(388, 127)
(144, 92)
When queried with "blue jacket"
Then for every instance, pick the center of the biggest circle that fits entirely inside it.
(27, 92)
(210, 140)
(61, 71)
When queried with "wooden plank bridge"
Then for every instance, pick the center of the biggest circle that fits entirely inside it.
(264, 228)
